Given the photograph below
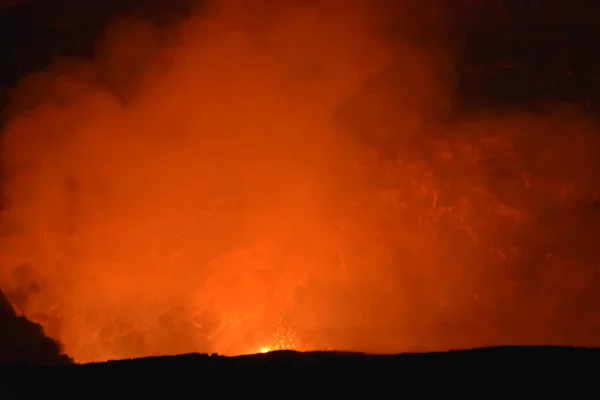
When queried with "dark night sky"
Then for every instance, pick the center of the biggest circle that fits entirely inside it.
(31, 32)
(552, 42)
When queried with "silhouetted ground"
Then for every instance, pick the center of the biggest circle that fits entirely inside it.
(525, 371)
(22, 341)
(32, 367)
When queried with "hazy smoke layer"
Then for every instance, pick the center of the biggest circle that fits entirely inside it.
(283, 174)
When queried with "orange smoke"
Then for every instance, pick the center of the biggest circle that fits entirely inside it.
(274, 177)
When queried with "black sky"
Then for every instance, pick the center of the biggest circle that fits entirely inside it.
(526, 48)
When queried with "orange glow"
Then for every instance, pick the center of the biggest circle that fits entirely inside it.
(287, 177)
(282, 340)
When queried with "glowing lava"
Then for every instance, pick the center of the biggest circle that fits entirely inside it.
(283, 339)
(269, 348)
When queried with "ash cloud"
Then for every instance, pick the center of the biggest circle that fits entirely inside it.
(198, 184)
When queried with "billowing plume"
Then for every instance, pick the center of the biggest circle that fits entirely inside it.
(287, 174)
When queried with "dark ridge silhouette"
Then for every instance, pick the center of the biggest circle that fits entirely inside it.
(514, 370)
(24, 342)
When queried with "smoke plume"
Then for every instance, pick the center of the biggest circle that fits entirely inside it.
(290, 173)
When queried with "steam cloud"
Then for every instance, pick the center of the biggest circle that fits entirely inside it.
(291, 166)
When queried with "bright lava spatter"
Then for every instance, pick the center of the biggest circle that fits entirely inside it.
(283, 339)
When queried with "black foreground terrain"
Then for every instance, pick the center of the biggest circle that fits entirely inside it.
(32, 366)
(485, 373)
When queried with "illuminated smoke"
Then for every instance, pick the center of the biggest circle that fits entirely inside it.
(193, 184)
